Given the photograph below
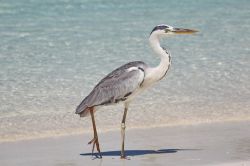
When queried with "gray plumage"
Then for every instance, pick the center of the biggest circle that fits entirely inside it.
(128, 81)
(115, 87)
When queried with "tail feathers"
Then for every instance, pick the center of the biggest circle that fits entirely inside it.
(85, 106)
(85, 113)
(82, 110)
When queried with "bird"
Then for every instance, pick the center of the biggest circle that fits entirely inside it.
(123, 84)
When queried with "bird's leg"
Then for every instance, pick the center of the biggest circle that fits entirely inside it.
(95, 139)
(123, 126)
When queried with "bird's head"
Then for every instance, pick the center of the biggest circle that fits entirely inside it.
(166, 30)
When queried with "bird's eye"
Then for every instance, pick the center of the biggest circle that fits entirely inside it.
(166, 30)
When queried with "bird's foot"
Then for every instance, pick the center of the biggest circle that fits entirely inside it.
(125, 157)
(95, 143)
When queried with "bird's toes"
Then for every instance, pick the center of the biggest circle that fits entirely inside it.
(91, 141)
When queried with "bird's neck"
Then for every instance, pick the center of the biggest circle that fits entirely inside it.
(158, 72)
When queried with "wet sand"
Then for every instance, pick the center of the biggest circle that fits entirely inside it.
(225, 144)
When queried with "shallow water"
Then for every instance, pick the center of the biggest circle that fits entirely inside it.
(53, 53)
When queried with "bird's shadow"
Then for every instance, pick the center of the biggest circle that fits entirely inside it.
(137, 152)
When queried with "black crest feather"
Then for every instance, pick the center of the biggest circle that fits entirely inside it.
(159, 27)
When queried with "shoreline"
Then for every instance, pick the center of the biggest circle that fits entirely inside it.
(204, 144)
(80, 131)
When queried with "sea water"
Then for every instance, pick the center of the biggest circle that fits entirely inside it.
(52, 53)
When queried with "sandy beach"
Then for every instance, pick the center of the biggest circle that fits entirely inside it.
(53, 53)
(225, 144)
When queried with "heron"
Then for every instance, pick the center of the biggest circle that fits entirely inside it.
(123, 84)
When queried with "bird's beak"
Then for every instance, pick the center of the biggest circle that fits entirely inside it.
(183, 31)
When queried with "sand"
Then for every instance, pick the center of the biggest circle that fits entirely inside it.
(224, 144)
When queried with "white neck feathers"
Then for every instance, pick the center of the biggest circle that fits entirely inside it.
(154, 74)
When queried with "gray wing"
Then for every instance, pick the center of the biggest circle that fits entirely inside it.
(116, 86)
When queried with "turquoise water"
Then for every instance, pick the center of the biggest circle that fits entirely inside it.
(53, 53)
